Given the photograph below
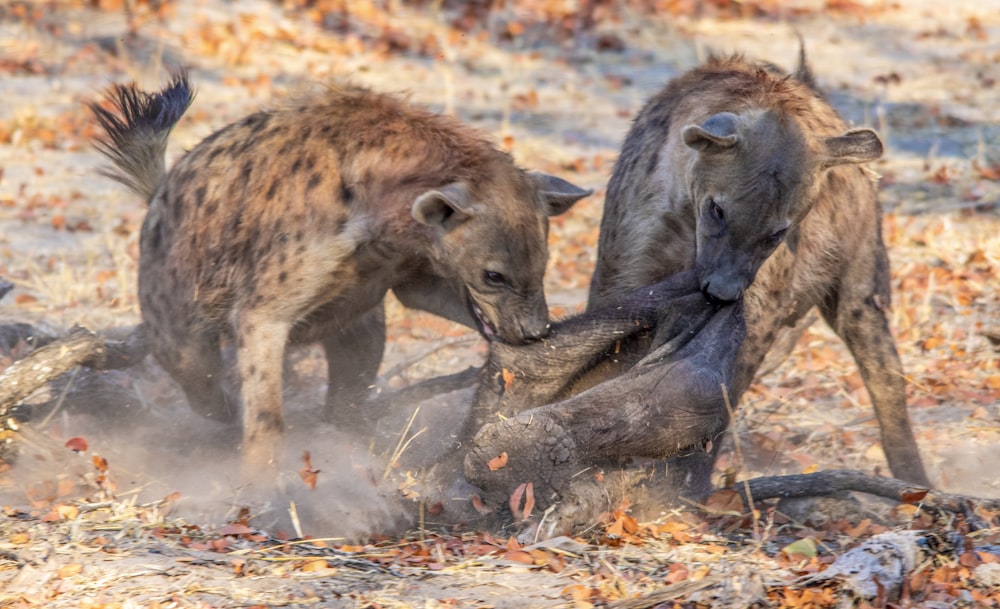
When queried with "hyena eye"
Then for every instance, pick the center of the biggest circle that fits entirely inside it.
(777, 237)
(494, 279)
(717, 212)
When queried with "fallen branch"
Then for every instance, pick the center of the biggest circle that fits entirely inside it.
(24, 376)
(829, 482)
(80, 347)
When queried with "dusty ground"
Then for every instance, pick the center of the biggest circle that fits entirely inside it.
(923, 74)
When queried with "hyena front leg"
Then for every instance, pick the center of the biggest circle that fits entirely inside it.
(261, 341)
(857, 313)
(353, 355)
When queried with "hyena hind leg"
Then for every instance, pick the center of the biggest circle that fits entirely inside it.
(353, 355)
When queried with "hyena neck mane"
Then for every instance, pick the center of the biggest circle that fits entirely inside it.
(390, 153)
(386, 145)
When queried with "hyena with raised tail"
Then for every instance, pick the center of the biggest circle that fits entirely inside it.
(290, 225)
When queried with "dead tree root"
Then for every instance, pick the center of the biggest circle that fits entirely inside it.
(835, 481)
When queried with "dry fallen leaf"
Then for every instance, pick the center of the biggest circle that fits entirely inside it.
(724, 501)
(913, 495)
(20, 538)
(317, 564)
(477, 503)
(861, 528)
(932, 342)
(498, 462)
(800, 549)
(578, 592)
(529, 500)
(235, 529)
(676, 573)
(988, 172)
(679, 531)
(519, 556)
(308, 473)
(76, 444)
(615, 529)
(969, 559)
(508, 378)
(67, 512)
(515, 498)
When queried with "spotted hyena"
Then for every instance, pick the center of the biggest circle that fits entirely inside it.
(290, 225)
(750, 178)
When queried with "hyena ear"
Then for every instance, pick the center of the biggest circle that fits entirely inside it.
(854, 146)
(718, 131)
(444, 207)
(557, 194)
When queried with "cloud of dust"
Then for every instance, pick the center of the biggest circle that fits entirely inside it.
(967, 468)
(164, 447)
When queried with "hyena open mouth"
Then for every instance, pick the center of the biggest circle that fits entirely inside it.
(486, 327)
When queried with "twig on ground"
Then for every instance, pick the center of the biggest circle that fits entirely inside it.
(828, 482)
(402, 444)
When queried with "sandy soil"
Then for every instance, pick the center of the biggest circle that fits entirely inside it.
(924, 75)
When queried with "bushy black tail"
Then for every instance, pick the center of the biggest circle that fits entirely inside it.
(136, 132)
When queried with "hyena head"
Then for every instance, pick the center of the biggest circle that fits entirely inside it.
(754, 176)
(493, 237)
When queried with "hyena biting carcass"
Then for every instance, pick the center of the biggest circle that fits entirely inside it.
(751, 178)
(559, 419)
(290, 226)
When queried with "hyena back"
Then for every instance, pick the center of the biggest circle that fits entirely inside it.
(750, 178)
(291, 225)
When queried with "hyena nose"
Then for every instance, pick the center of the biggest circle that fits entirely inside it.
(535, 330)
(721, 291)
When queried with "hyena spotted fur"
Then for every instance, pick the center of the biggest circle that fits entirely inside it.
(290, 225)
(749, 177)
